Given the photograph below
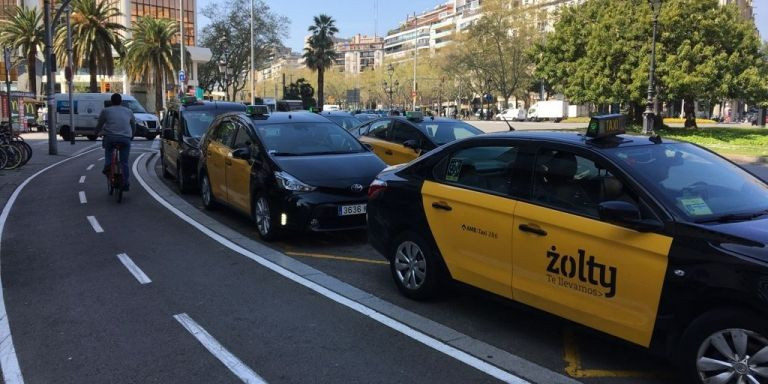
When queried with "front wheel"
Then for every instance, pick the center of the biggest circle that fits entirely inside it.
(415, 267)
(726, 346)
(264, 218)
(209, 201)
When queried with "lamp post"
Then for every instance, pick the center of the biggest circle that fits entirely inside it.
(649, 115)
(223, 71)
(389, 88)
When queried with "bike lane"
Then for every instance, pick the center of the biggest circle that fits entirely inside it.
(78, 315)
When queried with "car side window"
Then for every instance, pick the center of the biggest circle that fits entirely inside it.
(574, 183)
(174, 125)
(380, 129)
(402, 132)
(485, 168)
(225, 133)
(242, 139)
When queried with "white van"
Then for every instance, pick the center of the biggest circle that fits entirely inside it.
(88, 106)
(512, 114)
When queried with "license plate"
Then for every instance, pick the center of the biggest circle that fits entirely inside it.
(347, 210)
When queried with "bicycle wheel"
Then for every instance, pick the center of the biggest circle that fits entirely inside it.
(14, 156)
(3, 158)
(117, 176)
(25, 147)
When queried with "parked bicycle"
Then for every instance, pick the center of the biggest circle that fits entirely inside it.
(16, 152)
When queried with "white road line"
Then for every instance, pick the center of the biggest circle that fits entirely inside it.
(134, 269)
(417, 335)
(82, 179)
(100, 158)
(90, 167)
(9, 362)
(234, 364)
(83, 200)
(95, 224)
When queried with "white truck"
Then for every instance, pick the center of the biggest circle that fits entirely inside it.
(555, 110)
(88, 106)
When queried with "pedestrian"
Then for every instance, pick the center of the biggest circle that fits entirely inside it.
(118, 125)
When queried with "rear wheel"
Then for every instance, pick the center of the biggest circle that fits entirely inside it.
(725, 346)
(415, 266)
(14, 155)
(264, 218)
(209, 201)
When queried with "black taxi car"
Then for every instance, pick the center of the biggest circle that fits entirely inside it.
(183, 126)
(288, 171)
(658, 242)
(400, 139)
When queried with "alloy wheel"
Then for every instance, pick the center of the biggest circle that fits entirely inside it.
(410, 265)
(733, 355)
(263, 221)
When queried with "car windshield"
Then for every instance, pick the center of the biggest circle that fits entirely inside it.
(442, 132)
(695, 183)
(134, 106)
(345, 122)
(302, 139)
(197, 122)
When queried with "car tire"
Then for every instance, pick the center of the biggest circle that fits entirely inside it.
(264, 218)
(182, 180)
(705, 343)
(166, 174)
(415, 266)
(206, 192)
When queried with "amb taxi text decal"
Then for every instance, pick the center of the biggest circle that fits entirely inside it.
(564, 269)
(479, 231)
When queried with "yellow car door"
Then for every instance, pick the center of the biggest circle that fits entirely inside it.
(218, 152)
(377, 136)
(239, 171)
(568, 262)
(397, 150)
(470, 215)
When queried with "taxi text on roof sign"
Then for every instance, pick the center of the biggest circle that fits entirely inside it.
(606, 125)
(256, 110)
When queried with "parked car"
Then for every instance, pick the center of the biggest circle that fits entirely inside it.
(287, 171)
(344, 119)
(363, 117)
(511, 114)
(400, 139)
(657, 242)
(183, 125)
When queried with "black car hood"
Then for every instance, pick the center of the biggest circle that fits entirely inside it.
(747, 238)
(193, 142)
(333, 171)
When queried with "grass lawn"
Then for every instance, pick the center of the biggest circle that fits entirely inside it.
(731, 140)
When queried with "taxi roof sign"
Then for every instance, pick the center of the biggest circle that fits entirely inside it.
(188, 100)
(257, 110)
(414, 115)
(606, 125)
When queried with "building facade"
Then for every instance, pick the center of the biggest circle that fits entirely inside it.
(360, 53)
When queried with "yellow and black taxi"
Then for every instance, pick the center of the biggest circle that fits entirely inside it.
(183, 125)
(658, 242)
(287, 171)
(400, 139)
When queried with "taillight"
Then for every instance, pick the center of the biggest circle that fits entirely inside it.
(376, 186)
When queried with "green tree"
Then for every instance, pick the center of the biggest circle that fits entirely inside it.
(150, 54)
(319, 54)
(228, 36)
(95, 34)
(24, 30)
(301, 90)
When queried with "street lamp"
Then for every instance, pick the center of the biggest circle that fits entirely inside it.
(389, 88)
(223, 71)
(649, 115)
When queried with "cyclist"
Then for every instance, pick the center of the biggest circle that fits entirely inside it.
(118, 125)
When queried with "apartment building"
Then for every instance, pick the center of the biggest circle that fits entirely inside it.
(360, 53)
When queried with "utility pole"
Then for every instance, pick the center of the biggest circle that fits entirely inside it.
(68, 73)
(413, 93)
(49, 90)
(253, 62)
(182, 74)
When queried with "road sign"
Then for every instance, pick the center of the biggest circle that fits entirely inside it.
(182, 77)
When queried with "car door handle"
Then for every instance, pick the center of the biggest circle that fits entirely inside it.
(531, 229)
(442, 205)
(388, 152)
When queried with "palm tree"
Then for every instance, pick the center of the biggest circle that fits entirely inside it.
(94, 36)
(150, 51)
(319, 54)
(24, 29)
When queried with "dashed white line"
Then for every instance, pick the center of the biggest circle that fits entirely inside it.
(134, 269)
(234, 364)
(82, 179)
(100, 158)
(95, 224)
(90, 167)
(83, 200)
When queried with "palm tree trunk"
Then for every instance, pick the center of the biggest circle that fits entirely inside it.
(32, 70)
(158, 89)
(92, 71)
(320, 85)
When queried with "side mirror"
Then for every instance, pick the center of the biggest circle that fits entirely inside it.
(168, 134)
(412, 144)
(627, 215)
(243, 153)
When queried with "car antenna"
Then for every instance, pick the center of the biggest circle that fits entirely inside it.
(508, 124)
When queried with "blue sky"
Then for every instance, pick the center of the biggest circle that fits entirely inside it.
(358, 16)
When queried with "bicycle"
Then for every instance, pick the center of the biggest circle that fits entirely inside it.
(17, 151)
(115, 177)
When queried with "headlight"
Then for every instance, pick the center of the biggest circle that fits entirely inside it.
(141, 122)
(290, 183)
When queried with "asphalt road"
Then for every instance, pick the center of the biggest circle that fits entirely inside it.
(309, 308)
